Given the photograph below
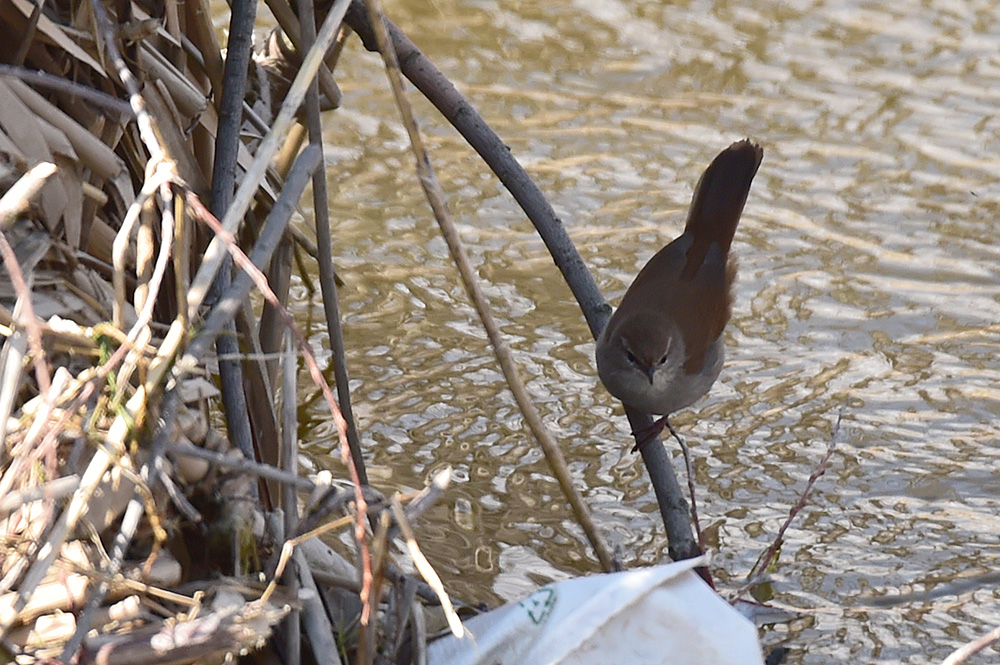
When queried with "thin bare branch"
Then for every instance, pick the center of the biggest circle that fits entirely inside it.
(762, 565)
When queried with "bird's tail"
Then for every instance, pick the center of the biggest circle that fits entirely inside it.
(718, 201)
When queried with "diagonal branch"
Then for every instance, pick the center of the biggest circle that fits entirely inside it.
(504, 356)
(467, 120)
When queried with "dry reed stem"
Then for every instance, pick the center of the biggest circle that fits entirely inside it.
(14, 200)
(968, 650)
(315, 621)
(436, 199)
(427, 570)
(289, 497)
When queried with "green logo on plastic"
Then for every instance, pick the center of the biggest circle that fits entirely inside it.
(539, 605)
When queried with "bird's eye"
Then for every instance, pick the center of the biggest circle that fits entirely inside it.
(631, 358)
(663, 359)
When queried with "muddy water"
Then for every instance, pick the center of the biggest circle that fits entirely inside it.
(869, 281)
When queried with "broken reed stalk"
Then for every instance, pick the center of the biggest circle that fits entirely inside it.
(14, 200)
(426, 570)
(966, 651)
(436, 199)
(324, 247)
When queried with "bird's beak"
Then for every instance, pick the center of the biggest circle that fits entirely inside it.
(650, 371)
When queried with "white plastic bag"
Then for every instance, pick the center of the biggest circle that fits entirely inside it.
(665, 614)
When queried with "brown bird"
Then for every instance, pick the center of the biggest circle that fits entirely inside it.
(663, 349)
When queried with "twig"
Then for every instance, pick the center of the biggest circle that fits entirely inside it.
(689, 472)
(426, 570)
(324, 251)
(240, 464)
(367, 630)
(59, 488)
(674, 511)
(764, 562)
(699, 548)
(289, 497)
(429, 496)
(964, 652)
(951, 588)
(500, 348)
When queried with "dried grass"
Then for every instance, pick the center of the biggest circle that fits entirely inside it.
(132, 529)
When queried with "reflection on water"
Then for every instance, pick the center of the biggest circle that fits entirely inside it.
(868, 279)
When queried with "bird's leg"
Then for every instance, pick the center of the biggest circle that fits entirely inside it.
(689, 468)
(646, 434)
